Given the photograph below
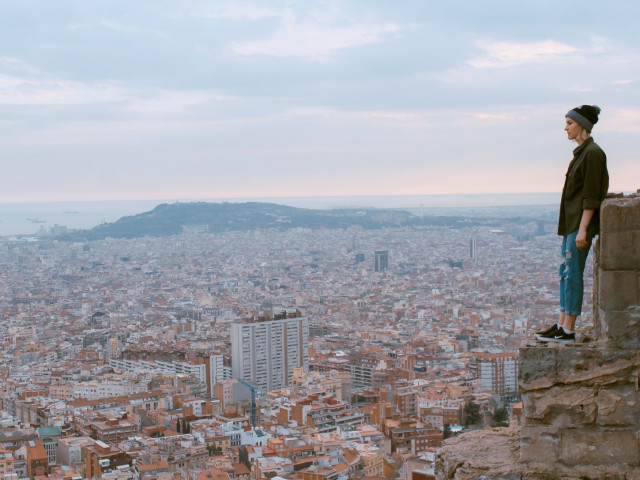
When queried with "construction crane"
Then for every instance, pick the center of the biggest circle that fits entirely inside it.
(253, 390)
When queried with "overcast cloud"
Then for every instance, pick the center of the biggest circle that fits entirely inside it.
(223, 99)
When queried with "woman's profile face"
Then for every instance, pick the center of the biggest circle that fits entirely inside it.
(572, 128)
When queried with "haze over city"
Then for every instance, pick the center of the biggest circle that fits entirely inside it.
(231, 99)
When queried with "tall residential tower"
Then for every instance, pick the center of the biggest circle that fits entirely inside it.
(264, 353)
(381, 260)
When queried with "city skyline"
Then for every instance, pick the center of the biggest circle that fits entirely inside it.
(272, 99)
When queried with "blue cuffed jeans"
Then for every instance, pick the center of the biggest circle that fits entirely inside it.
(571, 272)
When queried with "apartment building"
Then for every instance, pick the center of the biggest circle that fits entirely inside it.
(6, 464)
(498, 373)
(265, 353)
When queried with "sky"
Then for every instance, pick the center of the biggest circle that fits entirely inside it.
(110, 99)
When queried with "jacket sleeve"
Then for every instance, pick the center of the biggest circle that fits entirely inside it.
(596, 179)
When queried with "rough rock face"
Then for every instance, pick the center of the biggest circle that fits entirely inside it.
(494, 455)
(483, 454)
(581, 401)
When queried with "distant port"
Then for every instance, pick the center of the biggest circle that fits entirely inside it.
(36, 220)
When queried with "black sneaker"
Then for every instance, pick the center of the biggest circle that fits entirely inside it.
(549, 332)
(564, 337)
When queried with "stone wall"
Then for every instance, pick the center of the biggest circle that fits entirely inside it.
(581, 401)
(616, 288)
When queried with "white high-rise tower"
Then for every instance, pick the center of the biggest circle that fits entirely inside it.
(265, 353)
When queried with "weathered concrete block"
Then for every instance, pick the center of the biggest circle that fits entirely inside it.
(561, 407)
(539, 444)
(596, 366)
(620, 250)
(619, 406)
(599, 326)
(598, 447)
(619, 329)
(618, 290)
(620, 214)
(537, 367)
(508, 476)
(544, 367)
(597, 329)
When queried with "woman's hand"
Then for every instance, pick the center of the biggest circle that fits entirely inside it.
(581, 238)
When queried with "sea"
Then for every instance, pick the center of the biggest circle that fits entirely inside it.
(31, 219)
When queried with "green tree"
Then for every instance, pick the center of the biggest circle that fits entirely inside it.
(212, 449)
(500, 417)
(178, 429)
(446, 432)
(472, 413)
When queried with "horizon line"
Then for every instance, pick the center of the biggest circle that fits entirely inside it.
(266, 197)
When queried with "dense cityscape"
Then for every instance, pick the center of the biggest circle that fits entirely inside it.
(303, 354)
(319, 240)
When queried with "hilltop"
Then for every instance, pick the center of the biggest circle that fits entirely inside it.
(170, 219)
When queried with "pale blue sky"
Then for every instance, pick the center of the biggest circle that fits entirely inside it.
(223, 99)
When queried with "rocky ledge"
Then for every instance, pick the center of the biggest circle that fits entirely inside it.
(494, 454)
(581, 401)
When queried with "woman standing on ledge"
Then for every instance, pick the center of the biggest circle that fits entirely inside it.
(585, 187)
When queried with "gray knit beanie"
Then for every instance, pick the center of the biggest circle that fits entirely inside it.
(585, 115)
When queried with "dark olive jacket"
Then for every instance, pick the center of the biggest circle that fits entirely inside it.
(585, 187)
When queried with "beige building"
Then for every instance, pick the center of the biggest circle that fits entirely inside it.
(6, 464)
(223, 391)
(372, 461)
(61, 391)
